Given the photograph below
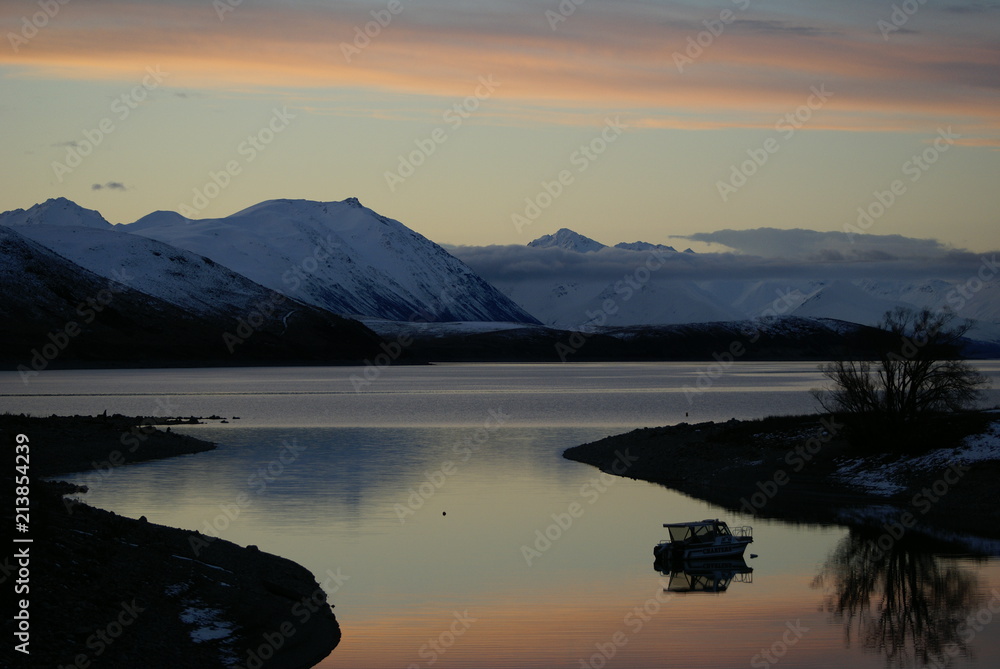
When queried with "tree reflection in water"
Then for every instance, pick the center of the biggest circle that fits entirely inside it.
(900, 601)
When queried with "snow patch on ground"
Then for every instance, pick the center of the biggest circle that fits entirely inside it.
(388, 328)
(885, 478)
(208, 626)
(880, 479)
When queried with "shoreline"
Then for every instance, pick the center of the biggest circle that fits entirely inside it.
(801, 469)
(111, 591)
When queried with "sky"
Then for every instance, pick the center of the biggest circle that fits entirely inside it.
(496, 122)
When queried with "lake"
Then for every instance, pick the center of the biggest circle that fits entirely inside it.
(435, 506)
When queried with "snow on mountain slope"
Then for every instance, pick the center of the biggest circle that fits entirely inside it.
(768, 297)
(152, 267)
(844, 301)
(57, 211)
(57, 312)
(971, 298)
(340, 256)
(579, 303)
(694, 288)
(565, 238)
(644, 246)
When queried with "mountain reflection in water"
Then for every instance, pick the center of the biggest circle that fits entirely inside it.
(904, 602)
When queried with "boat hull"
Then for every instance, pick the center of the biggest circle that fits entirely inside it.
(734, 548)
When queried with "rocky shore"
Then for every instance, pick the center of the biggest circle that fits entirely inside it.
(110, 591)
(802, 468)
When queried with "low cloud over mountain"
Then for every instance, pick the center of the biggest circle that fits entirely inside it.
(826, 246)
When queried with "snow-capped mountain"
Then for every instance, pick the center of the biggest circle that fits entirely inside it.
(57, 312)
(645, 246)
(582, 302)
(57, 211)
(564, 238)
(163, 271)
(340, 256)
(845, 301)
(567, 283)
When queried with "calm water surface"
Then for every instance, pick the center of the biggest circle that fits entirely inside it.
(437, 507)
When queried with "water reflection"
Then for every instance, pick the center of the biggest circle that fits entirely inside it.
(703, 576)
(898, 600)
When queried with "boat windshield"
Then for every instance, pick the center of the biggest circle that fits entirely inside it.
(694, 532)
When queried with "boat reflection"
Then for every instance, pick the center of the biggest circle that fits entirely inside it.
(899, 599)
(705, 575)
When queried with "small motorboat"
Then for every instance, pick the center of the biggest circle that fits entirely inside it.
(710, 538)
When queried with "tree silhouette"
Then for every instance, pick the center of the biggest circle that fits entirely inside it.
(907, 604)
(918, 372)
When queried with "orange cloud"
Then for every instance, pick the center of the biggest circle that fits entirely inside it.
(627, 62)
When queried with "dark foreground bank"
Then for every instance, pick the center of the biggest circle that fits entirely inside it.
(801, 468)
(108, 591)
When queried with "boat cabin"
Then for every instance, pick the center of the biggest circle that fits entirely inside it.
(704, 531)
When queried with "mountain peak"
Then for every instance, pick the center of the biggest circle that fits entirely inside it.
(343, 257)
(569, 240)
(55, 211)
(645, 246)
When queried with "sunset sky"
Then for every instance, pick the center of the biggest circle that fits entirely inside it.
(620, 120)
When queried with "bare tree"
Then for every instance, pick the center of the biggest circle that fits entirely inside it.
(918, 371)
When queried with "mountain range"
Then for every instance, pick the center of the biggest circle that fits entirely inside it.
(570, 281)
(290, 279)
